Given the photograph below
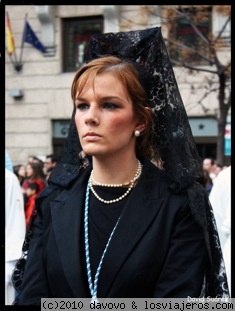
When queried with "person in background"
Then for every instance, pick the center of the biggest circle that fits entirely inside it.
(31, 159)
(50, 163)
(38, 161)
(206, 181)
(209, 164)
(49, 170)
(218, 169)
(34, 174)
(31, 192)
(20, 172)
(14, 230)
(35, 159)
(114, 224)
(220, 198)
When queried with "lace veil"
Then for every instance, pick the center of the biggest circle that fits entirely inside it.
(172, 135)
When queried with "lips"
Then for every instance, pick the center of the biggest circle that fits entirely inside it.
(91, 136)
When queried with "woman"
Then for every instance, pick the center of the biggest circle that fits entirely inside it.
(20, 172)
(112, 223)
(34, 174)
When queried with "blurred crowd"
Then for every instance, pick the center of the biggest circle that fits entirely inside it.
(33, 178)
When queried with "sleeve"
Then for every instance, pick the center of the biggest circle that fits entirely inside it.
(183, 271)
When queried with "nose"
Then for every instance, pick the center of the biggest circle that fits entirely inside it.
(92, 116)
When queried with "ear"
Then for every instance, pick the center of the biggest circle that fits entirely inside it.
(140, 126)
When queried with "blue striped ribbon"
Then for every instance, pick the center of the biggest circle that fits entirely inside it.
(93, 288)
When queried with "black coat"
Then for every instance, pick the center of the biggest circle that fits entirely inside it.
(157, 250)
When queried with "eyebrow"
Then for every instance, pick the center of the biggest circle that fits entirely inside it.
(104, 98)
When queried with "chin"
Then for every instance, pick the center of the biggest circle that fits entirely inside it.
(92, 152)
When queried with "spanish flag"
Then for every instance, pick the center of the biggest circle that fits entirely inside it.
(10, 38)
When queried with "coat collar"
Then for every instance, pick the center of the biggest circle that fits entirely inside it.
(67, 219)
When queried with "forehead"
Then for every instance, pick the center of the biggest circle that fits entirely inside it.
(106, 82)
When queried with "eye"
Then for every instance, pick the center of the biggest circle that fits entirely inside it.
(110, 106)
(82, 106)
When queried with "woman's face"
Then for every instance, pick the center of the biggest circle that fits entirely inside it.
(105, 119)
(29, 170)
(22, 171)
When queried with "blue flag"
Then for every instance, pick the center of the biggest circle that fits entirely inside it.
(31, 38)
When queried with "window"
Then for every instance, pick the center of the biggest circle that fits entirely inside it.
(76, 34)
(182, 34)
(60, 130)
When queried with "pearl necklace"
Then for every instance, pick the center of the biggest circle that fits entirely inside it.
(131, 183)
(96, 183)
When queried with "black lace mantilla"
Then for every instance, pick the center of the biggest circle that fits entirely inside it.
(173, 138)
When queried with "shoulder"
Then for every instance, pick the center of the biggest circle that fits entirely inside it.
(158, 178)
(151, 171)
(58, 192)
(157, 185)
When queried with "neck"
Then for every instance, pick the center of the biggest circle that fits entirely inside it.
(114, 171)
(131, 185)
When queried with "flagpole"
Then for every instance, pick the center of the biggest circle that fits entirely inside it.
(15, 64)
(14, 48)
(22, 42)
(10, 34)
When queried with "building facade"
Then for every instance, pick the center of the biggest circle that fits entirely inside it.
(38, 99)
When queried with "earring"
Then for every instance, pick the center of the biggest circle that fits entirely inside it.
(137, 133)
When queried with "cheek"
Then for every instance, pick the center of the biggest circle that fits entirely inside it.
(77, 121)
(119, 123)
(79, 125)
